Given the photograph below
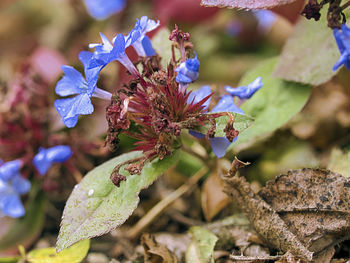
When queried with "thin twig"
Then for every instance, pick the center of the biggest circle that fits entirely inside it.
(244, 258)
(163, 204)
(196, 154)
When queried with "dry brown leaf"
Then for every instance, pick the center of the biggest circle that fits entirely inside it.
(314, 204)
(245, 4)
(263, 218)
(213, 197)
(305, 211)
(156, 252)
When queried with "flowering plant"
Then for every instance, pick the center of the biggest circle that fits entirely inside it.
(155, 107)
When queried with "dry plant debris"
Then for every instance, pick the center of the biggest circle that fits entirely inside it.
(304, 212)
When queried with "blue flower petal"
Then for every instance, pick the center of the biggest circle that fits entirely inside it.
(246, 92)
(71, 83)
(118, 48)
(147, 46)
(134, 35)
(219, 145)
(342, 37)
(40, 161)
(226, 104)
(9, 169)
(197, 95)
(188, 71)
(102, 9)
(197, 134)
(11, 205)
(59, 153)
(44, 159)
(71, 108)
(91, 74)
(20, 184)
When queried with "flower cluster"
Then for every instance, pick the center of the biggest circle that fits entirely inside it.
(12, 184)
(155, 106)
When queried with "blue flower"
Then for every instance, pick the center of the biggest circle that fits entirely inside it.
(187, 72)
(44, 159)
(106, 52)
(8, 169)
(265, 18)
(73, 83)
(342, 37)
(245, 92)
(11, 186)
(219, 145)
(142, 43)
(102, 9)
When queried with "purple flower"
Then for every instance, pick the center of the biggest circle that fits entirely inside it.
(342, 37)
(102, 9)
(245, 92)
(44, 159)
(12, 184)
(219, 145)
(187, 72)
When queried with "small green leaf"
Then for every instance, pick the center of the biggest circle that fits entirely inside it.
(340, 162)
(241, 123)
(201, 248)
(310, 53)
(273, 105)
(74, 254)
(96, 205)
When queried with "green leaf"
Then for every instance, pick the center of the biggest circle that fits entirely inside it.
(201, 248)
(340, 162)
(96, 205)
(241, 123)
(162, 46)
(74, 254)
(310, 53)
(26, 229)
(273, 105)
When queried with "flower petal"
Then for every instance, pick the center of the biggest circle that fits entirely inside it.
(226, 104)
(219, 145)
(20, 184)
(11, 205)
(71, 108)
(71, 83)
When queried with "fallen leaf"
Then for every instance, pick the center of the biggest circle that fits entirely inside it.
(212, 196)
(201, 248)
(74, 254)
(155, 251)
(245, 4)
(314, 204)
